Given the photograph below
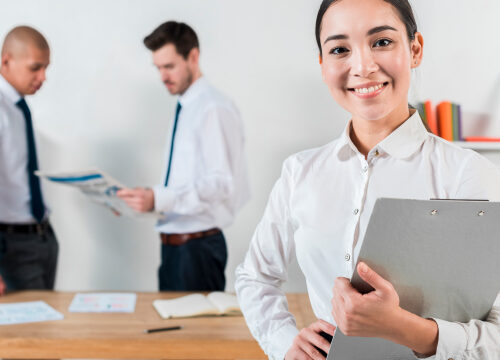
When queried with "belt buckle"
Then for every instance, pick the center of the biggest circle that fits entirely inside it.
(39, 229)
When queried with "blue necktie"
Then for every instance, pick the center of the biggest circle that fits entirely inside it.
(177, 111)
(37, 206)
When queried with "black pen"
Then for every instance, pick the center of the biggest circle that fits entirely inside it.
(148, 331)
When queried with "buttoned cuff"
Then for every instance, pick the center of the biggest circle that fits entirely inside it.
(452, 341)
(281, 342)
(164, 198)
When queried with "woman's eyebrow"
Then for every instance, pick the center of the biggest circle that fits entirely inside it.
(336, 37)
(380, 29)
(375, 30)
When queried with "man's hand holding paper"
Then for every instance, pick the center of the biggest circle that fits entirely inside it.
(139, 199)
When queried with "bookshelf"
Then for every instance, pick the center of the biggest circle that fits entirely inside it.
(446, 121)
(483, 145)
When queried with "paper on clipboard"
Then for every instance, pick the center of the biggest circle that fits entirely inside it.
(98, 187)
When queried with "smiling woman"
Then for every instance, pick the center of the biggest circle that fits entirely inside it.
(320, 207)
(367, 66)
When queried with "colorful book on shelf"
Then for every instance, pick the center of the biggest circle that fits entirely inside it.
(421, 111)
(454, 121)
(459, 119)
(445, 120)
(431, 118)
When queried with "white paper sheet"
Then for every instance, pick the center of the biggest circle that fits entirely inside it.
(104, 302)
(26, 312)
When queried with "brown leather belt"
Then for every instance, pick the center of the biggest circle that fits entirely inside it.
(181, 239)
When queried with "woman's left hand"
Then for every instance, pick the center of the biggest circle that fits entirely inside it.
(368, 315)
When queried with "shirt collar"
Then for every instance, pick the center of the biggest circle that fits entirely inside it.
(401, 143)
(9, 91)
(193, 91)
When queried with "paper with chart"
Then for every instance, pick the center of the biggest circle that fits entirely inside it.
(27, 312)
(99, 187)
(103, 303)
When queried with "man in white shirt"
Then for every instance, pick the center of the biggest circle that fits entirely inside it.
(205, 181)
(28, 246)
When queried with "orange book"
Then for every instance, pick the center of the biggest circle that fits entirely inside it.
(445, 120)
(431, 118)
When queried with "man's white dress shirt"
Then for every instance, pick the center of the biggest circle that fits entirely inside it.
(208, 178)
(15, 196)
(319, 209)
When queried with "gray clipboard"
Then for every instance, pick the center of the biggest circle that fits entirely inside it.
(442, 256)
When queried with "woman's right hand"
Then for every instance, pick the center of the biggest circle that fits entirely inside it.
(305, 343)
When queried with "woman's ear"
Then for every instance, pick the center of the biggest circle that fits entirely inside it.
(320, 59)
(417, 50)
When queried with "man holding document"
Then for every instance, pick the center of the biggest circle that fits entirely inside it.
(28, 246)
(205, 180)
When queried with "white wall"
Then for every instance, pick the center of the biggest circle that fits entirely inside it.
(103, 105)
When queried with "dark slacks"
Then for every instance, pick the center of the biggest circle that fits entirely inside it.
(197, 265)
(29, 261)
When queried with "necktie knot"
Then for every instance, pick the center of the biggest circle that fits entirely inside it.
(21, 104)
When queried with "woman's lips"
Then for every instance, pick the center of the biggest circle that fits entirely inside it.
(369, 90)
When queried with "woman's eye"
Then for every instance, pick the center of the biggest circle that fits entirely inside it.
(382, 43)
(338, 50)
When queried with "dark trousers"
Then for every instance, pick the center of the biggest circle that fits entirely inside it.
(197, 265)
(28, 261)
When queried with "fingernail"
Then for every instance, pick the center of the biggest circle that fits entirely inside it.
(363, 268)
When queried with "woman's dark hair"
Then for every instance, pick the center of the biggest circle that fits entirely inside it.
(402, 6)
(181, 35)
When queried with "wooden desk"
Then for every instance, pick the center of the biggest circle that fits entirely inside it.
(121, 335)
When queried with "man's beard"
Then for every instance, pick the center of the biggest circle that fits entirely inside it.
(186, 83)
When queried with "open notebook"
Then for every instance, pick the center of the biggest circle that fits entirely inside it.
(215, 303)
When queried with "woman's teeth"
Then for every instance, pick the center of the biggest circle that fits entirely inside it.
(369, 90)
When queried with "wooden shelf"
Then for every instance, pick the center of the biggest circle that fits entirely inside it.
(480, 145)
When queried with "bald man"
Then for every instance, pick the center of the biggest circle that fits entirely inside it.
(28, 246)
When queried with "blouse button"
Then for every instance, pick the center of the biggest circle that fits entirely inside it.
(347, 257)
(356, 211)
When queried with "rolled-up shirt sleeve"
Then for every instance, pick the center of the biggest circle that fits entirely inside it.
(470, 341)
(259, 277)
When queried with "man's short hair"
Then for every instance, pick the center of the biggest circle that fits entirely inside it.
(181, 35)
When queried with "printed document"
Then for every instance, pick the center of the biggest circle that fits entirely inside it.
(103, 303)
(27, 312)
(99, 187)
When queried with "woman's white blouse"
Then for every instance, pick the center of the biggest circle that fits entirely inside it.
(319, 209)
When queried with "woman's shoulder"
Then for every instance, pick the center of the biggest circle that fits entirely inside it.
(476, 176)
(308, 159)
(452, 152)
